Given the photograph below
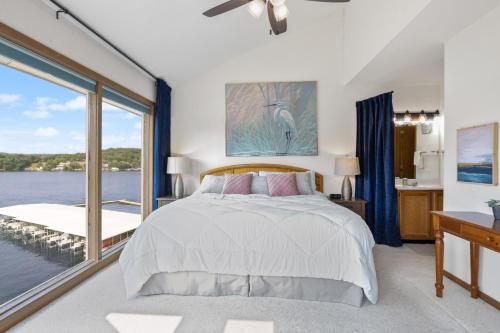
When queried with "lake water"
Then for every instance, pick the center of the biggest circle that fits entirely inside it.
(23, 267)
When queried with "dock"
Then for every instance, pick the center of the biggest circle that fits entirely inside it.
(63, 228)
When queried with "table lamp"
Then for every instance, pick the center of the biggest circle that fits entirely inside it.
(176, 166)
(347, 166)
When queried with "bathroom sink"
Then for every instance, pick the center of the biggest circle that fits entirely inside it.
(420, 187)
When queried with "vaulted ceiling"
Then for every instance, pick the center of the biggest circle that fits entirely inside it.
(173, 40)
(416, 55)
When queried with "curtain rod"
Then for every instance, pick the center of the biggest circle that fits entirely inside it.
(63, 10)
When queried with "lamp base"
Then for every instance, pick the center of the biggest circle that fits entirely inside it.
(178, 187)
(346, 189)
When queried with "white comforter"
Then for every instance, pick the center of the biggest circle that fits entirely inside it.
(299, 236)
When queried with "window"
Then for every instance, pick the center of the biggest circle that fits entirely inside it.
(42, 180)
(75, 154)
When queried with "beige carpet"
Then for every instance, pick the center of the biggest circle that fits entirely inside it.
(406, 304)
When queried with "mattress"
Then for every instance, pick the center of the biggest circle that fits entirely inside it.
(255, 236)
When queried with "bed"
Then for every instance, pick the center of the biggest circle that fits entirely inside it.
(298, 247)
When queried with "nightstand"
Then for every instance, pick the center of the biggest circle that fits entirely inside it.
(162, 201)
(356, 205)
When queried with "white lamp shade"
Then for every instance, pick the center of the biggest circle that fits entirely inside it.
(176, 165)
(347, 166)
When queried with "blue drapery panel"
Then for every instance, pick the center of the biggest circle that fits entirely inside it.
(162, 184)
(376, 184)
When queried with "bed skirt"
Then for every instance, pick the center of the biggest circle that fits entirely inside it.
(208, 284)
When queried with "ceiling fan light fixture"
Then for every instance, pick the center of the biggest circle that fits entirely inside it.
(281, 12)
(256, 8)
(277, 3)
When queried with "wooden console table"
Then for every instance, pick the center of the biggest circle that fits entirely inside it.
(477, 228)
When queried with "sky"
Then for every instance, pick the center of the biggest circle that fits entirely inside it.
(475, 145)
(37, 116)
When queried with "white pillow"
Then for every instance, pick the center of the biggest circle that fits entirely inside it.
(312, 176)
(259, 185)
(306, 183)
(211, 184)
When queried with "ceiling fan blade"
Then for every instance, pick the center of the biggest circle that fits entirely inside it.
(278, 27)
(330, 0)
(225, 7)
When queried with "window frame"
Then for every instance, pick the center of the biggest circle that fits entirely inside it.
(26, 304)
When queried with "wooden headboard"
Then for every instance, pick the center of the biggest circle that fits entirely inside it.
(241, 168)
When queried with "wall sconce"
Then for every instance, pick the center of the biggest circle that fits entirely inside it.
(437, 115)
(407, 117)
(415, 117)
(422, 118)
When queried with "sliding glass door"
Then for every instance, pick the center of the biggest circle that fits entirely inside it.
(121, 172)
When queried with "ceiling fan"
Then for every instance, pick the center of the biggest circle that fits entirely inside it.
(277, 11)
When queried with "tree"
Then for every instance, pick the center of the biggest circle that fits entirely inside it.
(122, 158)
(49, 165)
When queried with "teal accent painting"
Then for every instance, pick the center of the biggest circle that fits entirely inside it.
(478, 154)
(271, 119)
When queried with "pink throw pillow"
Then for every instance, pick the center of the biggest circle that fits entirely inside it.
(282, 185)
(237, 184)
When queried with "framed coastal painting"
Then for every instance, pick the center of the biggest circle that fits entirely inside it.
(477, 156)
(271, 119)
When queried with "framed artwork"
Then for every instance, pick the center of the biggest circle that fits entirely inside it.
(271, 119)
(477, 156)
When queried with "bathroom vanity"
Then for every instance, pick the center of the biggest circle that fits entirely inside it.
(415, 204)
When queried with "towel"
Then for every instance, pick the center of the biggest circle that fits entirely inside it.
(418, 160)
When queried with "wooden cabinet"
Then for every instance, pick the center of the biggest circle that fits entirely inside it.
(437, 199)
(414, 207)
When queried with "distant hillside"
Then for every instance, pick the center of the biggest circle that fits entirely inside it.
(113, 158)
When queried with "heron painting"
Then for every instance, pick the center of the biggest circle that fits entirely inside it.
(271, 119)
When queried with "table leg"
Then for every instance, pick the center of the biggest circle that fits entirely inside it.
(474, 265)
(439, 263)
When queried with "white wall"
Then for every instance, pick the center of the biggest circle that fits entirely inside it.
(417, 97)
(36, 20)
(198, 116)
(315, 53)
(472, 77)
(370, 26)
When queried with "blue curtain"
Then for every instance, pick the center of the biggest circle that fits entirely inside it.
(162, 184)
(376, 184)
